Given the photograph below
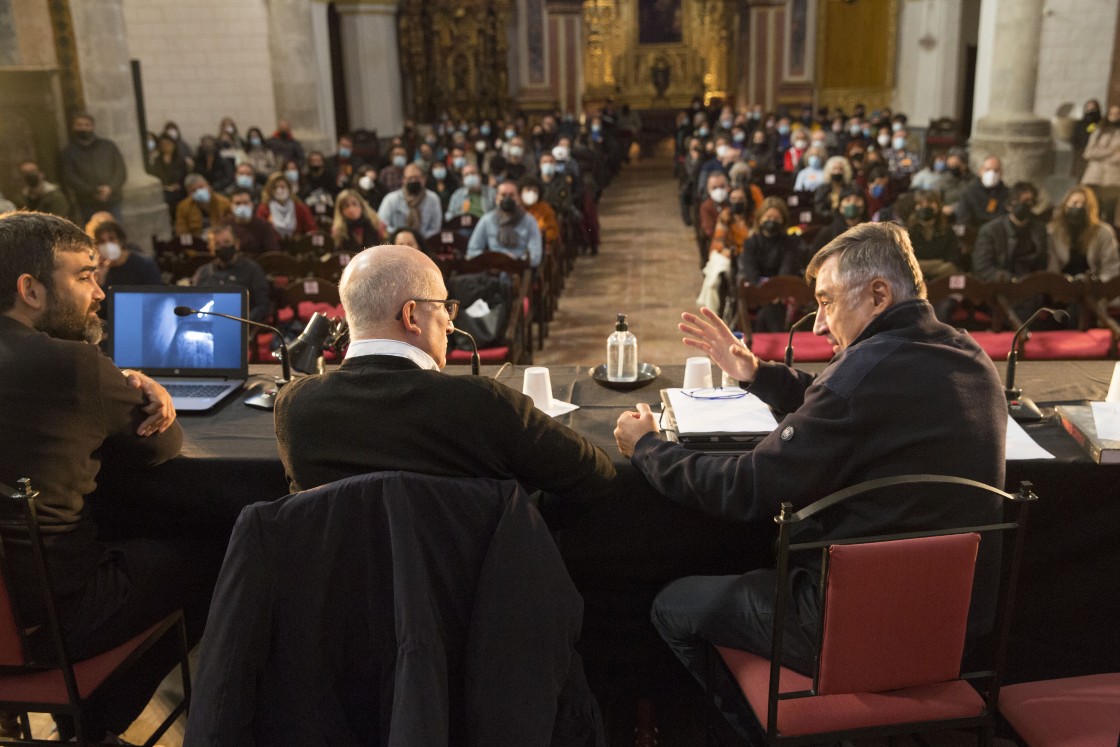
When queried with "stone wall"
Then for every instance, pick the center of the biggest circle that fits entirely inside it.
(1075, 55)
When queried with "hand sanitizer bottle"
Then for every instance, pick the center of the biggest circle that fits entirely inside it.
(622, 353)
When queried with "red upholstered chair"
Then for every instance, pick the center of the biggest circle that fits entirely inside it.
(798, 299)
(1071, 712)
(966, 299)
(517, 347)
(61, 685)
(892, 628)
(1058, 291)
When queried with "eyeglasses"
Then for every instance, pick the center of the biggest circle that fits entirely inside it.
(450, 304)
(715, 392)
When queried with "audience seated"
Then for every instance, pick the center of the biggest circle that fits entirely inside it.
(231, 267)
(412, 206)
(985, 198)
(473, 198)
(254, 234)
(287, 215)
(1081, 245)
(936, 247)
(262, 159)
(509, 229)
(541, 211)
(355, 225)
(208, 162)
(201, 208)
(284, 145)
(122, 263)
(1015, 243)
(40, 195)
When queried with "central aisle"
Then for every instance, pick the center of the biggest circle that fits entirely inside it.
(647, 268)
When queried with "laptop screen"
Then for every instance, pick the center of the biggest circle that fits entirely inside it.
(145, 333)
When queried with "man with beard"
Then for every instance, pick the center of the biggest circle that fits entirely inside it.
(508, 229)
(66, 408)
(92, 169)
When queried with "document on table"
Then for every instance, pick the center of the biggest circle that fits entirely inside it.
(1106, 418)
(1022, 446)
(747, 414)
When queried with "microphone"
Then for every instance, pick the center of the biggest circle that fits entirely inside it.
(263, 400)
(796, 325)
(475, 360)
(1019, 407)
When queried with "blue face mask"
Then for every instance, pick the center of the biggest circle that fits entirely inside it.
(783, 129)
(439, 173)
(293, 175)
(344, 152)
(400, 161)
(702, 132)
(938, 166)
(243, 212)
(458, 162)
(814, 162)
(739, 137)
(202, 194)
(245, 181)
(877, 190)
(484, 130)
(255, 141)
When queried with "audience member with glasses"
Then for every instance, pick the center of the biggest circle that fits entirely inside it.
(904, 394)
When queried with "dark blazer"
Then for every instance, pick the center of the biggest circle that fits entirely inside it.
(1001, 255)
(393, 608)
(384, 413)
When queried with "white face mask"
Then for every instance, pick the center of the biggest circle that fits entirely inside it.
(560, 153)
(516, 151)
(721, 151)
(365, 183)
(719, 194)
(528, 198)
(472, 181)
(480, 146)
(883, 140)
(989, 178)
(281, 194)
(110, 250)
(801, 145)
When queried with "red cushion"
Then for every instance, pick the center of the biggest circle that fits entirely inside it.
(1092, 344)
(895, 613)
(499, 354)
(305, 309)
(771, 346)
(49, 687)
(11, 648)
(945, 700)
(996, 344)
(1072, 712)
(285, 314)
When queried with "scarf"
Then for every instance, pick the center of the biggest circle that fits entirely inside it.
(507, 222)
(414, 202)
(283, 217)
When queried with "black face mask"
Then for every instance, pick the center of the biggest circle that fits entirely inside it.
(1075, 216)
(414, 188)
(84, 137)
(507, 204)
(225, 253)
(956, 170)
(925, 213)
(1092, 116)
(771, 227)
(739, 208)
(837, 178)
(1022, 211)
(33, 180)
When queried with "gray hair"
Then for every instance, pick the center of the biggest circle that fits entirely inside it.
(869, 251)
(192, 179)
(376, 283)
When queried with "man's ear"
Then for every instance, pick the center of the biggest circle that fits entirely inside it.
(407, 321)
(882, 295)
(31, 292)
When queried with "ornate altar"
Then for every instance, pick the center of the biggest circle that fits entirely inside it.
(658, 54)
(455, 57)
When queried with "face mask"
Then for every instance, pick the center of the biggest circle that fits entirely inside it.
(865, 131)
(560, 153)
(439, 174)
(485, 130)
(281, 194)
(1092, 115)
(956, 170)
(292, 175)
(855, 130)
(507, 204)
(84, 137)
(510, 133)
(989, 178)
(1075, 216)
(110, 250)
(898, 143)
(896, 126)
(173, 133)
(458, 162)
(33, 180)
(801, 144)
(548, 169)
(703, 132)
(739, 137)
(721, 150)
(783, 129)
(719, 194)
(344, 152)
(225, 253)
(1022, 211)
(739, 208)
(726, 123)
(851, 211)
(925, 213)
(596, 128)
(515, 151)
(365, 183)
(938, 166)
(151, 144)
(560, 168)
(414, 188)
(877, 190)
(771, 227)
(480, 146)
(245, 181)
(255, 141)
(202, 194)
(837, 178)
(529, 198)
(472, 181)
(837, 128)
(243, 212)
(400, 161)
(230, 129)
(883, 140)
(814, 162)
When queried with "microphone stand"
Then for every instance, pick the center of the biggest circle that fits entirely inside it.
(265, 400)
(1019, 407)
(476, 362)
(796, 325)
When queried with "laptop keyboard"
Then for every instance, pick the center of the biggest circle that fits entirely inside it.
(195, 390)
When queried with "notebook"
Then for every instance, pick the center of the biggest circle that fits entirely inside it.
(733, 426)
(199, 359)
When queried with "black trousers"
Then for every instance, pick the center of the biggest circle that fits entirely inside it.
(136, 583)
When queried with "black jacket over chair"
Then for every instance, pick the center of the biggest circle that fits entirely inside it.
(393, 608)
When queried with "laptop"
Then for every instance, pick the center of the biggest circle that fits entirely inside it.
(724, 426)
(199, 359)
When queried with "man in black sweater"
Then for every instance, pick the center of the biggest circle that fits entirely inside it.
(93, 169)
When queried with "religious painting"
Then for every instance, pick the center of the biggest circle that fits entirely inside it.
(799, 20)
(660, 22)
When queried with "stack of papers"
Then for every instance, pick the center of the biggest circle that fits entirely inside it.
(746, 414)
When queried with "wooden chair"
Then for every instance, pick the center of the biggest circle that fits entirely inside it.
(331, 266)
(892, 630)
(517, 346)
(1054, 289)
(447, 243)
(797, 297)
(317, 244)
(59, 685)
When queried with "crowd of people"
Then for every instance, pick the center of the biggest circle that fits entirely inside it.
(739, 171)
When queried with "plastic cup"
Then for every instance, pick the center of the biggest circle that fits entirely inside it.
(697, 373)
(538, 387)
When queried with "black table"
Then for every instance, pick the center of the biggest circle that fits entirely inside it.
(620, 552)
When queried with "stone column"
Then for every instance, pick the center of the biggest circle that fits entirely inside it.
(106, 75)
(296, 82)
(371, 65)
(565, 18)
(1011, 129)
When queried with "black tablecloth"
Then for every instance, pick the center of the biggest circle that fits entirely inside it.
(620, 552)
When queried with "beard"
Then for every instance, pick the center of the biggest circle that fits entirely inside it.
(66, 321)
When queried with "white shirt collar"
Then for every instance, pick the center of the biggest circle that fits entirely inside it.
(392, 347)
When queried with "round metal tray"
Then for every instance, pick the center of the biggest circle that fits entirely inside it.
(647, 372)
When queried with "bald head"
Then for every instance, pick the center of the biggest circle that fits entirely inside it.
(376, 284)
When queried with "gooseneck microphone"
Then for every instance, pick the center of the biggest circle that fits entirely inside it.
(476, 362)
(263, 400)
(796, 326)
(1019, 407)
